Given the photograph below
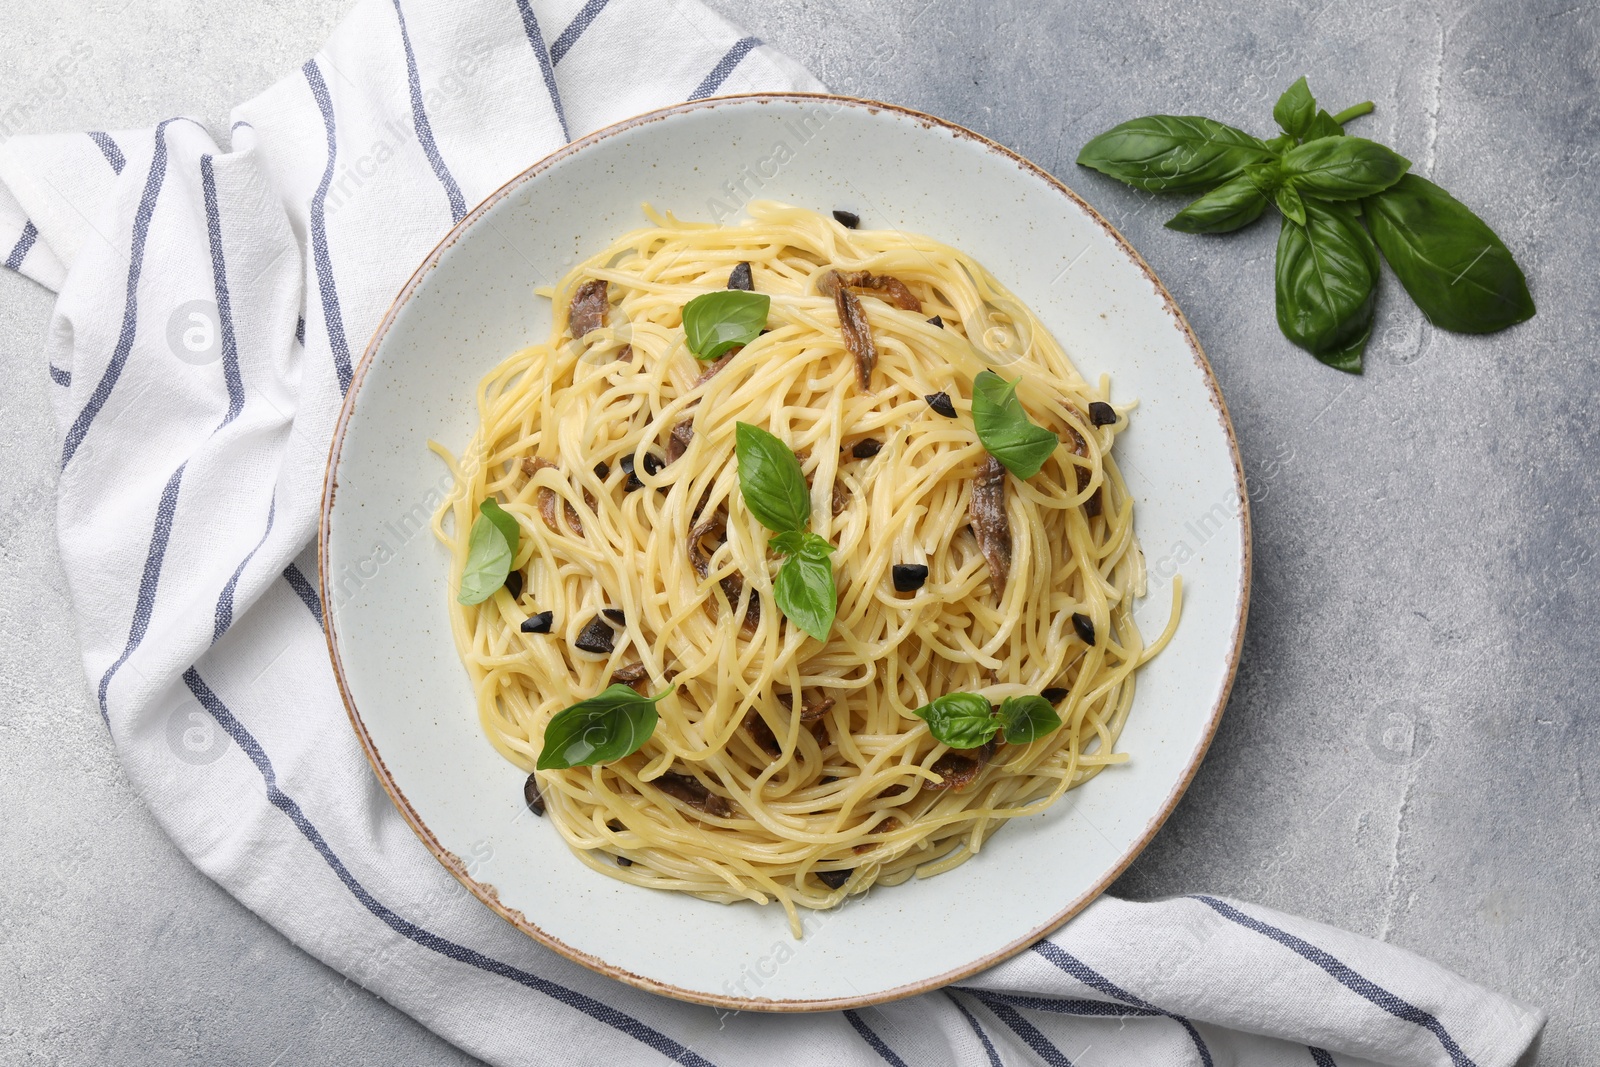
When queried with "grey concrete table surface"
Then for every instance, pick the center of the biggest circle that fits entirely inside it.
(1409, 751)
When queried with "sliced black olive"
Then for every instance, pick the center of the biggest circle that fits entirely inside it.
(740, 278)
(633, 482)
(936, 321)
(908, 577)
(514, 584)
(833, 879)
(623, 861)
(602, 470)
(616, 615)
(1085, 627)
(538, 623)
(1056, 694)
(866, 448)
(1101, 413)
(940, 402)
(596, 637)
(531, 794)
(848, 219)
(652, 464)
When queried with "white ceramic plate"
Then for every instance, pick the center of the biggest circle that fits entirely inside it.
(469, 305)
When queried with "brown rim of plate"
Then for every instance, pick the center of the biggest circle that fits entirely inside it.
(486, 892)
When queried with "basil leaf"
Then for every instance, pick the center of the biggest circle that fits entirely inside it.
(804, 587)
(960, 720)
(1323, 125)
(1028, 718)
(1230, 206)
(727, 318)
(1460, 274)
(602, 729)
(1005, 429)
(503, 521)
(490, 548)
(1173, 153)
(1290, 204)
(1327, 276)
(1295, 109)
(1342, 168)
(788, 542)
(770, 478)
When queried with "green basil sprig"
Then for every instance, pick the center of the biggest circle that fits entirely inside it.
(774, 489)
(491, 546)
(715, 322)
(1007, 433)
(967, 720)
(1451, 263)
(602, 729)
(804, 587)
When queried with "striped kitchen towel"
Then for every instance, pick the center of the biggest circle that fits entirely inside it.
(212, 301)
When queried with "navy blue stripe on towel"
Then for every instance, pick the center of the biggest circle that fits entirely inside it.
(719, 73)
(109, 149)
(319, 233)
(972, 1020)
(547, 63)
(1348, 978)
(1029, 1033)
(130, 311)
(870, 1036)
(575, 28)
(145, 603)
(419, 119)
(304, 590)
(604, 1013)
(224, 614)
(1065, 1005)
(19, 251)
(219, 279)
(1320, 1057)
(1095, 980)
(61, 377)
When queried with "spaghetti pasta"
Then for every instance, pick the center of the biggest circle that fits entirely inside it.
(784, 768)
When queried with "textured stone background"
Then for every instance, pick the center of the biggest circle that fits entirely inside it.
(1410, 751)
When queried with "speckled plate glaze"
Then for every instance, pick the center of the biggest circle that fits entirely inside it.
(469, 305)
